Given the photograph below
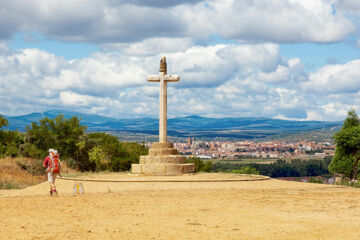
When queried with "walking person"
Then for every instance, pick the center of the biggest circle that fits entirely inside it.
(52, 165)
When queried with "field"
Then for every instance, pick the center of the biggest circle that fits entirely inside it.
(246, 160)
(270, 209)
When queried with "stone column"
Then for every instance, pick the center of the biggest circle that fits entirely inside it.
(163, 109)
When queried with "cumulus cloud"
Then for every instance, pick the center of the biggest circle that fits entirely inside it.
(113, 22)
(160, 3)
(118, 82)
(151, 46)
(348, 6)
(234, 80)
(338, 78)
(277, 21)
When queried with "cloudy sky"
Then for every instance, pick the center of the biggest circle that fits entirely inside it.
(289, 59)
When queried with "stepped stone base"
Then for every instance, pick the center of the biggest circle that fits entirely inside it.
(162, 169)
(162, 160)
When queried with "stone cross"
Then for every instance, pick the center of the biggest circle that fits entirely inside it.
(163, 78)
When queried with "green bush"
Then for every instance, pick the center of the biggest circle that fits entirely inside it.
(347, 182)
(246, 170)
(315, 180)
(200, 166)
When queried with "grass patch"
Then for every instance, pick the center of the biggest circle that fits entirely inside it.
(9, 185)
(315, 180)
(349, 183)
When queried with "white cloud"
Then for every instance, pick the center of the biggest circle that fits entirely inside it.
(151, 46)
(113, 22)
(348, 6)
(73, 99)
(279, 21)
(338, 78)
(217, 81)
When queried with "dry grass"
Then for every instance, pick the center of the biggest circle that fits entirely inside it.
(11, 174)
(22, 172)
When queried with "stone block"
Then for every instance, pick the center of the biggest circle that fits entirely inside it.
(153, 168)
(162, 151)
(163, 159)
(174, 159)
(188, 168)
(136, 168)
(142, 159)
(162, 145)
(174, 169)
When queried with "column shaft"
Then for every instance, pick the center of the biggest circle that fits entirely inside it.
(163, 110)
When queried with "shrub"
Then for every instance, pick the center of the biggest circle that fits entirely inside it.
(9, 185)
(347, 182)
(315, 180)
(35, 167)
(246, 170)
(200, 166)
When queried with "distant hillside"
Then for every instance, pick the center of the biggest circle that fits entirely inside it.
(20, 122)
(246, 128)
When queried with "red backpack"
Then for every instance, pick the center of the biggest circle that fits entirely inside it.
(54, 164)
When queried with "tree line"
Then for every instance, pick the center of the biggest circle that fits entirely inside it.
(101, 151)
(280, 168)
(85, 151)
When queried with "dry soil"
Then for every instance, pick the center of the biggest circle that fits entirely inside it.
(271, 209)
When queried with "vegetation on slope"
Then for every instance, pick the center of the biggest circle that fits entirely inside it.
(81, 150)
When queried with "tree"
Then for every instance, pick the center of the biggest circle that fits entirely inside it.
(9, 140)
(119, 155)
(347, 153)
(98, 156)
(59, 133)
(3, 122)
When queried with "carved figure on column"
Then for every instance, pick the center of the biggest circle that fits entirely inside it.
(163, 66)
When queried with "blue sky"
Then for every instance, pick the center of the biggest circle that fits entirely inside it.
(68, 50)
(286, 59)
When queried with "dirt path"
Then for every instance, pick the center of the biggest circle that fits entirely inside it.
(271, 209)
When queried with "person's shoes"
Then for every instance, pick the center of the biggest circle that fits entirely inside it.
(55, 193)
(51, 193)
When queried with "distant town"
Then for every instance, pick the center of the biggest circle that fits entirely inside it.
(251, 149)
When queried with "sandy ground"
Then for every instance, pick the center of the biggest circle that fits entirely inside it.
(271, 209)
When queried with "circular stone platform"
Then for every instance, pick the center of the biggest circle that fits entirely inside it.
(125, 182)
(201, 177)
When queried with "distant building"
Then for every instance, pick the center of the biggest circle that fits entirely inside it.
(189, 142)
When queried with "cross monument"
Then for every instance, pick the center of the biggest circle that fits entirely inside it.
(163, 78)
(163, 157)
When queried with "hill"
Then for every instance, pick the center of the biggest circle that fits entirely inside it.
(196, 126)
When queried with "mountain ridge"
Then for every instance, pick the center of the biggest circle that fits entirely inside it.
(181, 126)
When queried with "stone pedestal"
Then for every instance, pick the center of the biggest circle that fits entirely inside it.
(163, 159)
